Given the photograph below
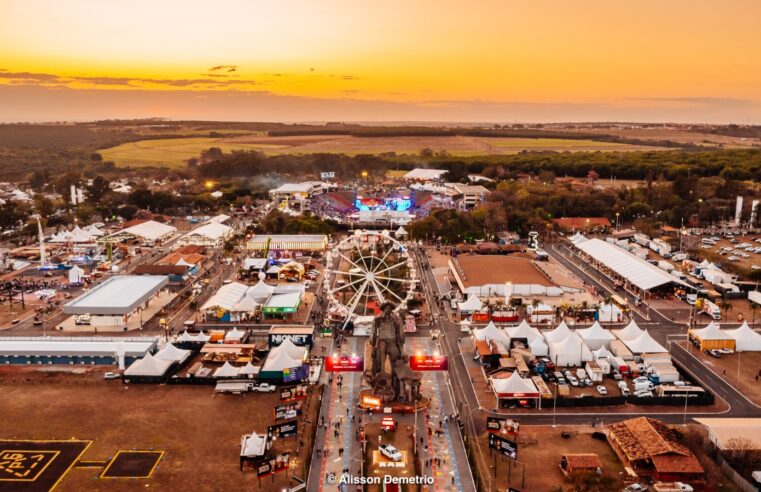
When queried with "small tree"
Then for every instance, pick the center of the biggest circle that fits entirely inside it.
(726, 306)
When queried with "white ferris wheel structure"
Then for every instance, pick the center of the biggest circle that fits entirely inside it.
(366, 270)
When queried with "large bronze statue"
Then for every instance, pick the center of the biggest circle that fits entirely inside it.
(387, 340)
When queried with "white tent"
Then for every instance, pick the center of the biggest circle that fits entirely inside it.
(278, 360)
(76, 274)
(253, 446)
(472, 305)
(538, 347)
(400, 232)
(491, 332)
(290, 348)
(249, 370)
(595, 336)
(746, 339)
(577, 238)
(523, 330)
(514, 387)
(710, 332)
(558, 334)
(246, 305)
(260, 292)
(602, 353)
(202, 337)
(542, 313)
(235, 334)
(572, 351)
(630, 332)
(227, 297)
(644, 344)
(609, 313)
(148, 366)
(226, 371)
(172, 353)
(186, 337)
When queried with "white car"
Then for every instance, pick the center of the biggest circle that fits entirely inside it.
(733, 258)
(263, 388)
(755, 267)
(602, 390)
(111, 375)
(725, 351)
(390, 452)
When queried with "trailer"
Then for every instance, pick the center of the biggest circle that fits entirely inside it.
(232, 387)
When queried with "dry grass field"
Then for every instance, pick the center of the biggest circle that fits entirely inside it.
(679, 136)
(175, 152)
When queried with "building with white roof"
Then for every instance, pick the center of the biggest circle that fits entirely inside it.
(212, 234)
(149, 231)
(288, 245)
(74, 350)
(421, 174)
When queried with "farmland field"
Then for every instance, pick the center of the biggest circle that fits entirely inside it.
(174, 152)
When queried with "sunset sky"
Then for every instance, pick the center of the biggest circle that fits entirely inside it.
(412, 60)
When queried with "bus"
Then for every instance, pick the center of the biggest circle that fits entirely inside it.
(679, 391)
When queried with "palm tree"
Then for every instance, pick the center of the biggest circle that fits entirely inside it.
(500, 305)
(726, 306)
(753, 308)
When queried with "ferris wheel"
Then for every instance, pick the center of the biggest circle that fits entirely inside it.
(365, 271)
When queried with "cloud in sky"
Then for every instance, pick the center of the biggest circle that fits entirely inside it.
(211, 81)
(41, 102)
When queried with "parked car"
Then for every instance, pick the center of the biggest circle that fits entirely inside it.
(725, 351)
(390, 452)
(602, 390)
(588, 382)
(643, 394)
(263, 388)
(111, 375)
(573, 381)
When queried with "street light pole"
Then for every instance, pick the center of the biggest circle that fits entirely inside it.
(554, 404)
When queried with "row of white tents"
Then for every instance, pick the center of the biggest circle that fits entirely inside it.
(156, 365)
(568, 347)
(746, 339)
(543, 313)
(86, 234)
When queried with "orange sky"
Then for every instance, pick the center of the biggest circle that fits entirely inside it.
(485, 60)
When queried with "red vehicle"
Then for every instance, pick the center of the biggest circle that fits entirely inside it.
(388, 424)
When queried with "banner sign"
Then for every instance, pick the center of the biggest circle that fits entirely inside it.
(288, 411)
(285, 429)
(429, 362)
(505, 446)
(293, 393)
(327, 175)
(294, 374)
(344, 363)
(273, 465)
(502, 425)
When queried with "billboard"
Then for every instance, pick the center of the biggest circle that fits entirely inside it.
(502, 425)
(327, 175)
(294, 374)
(288, 411)
(273, 465)
(429, 362)
(293, 393)
(284, 429)
(504, 446)
(299, 339)
(344, 363)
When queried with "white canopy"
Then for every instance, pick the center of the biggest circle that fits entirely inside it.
(234, 334)
(253, 446)
(538, 347)
(227, 297)
(577, 238)
(290, 348)
(491, 332)
(400, 232)
(595, 336)
(630, 332)
(261, 291)
(602, 353)
(150, 230)
(572, 351)
(172, 353)
(278, 360)
(710, 332)
(523, 330)
(75, 274)
(471, 305)
(248, 369)
(186, 337)
(202, 337)
(148, 366)
(226, 371)
(644, 344)
(746, 339)
(558, 334)
(514, 387)
(609, 313)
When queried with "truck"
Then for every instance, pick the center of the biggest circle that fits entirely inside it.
(232, 387)
(711, 309)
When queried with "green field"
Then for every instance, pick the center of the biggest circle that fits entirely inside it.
(171, 152)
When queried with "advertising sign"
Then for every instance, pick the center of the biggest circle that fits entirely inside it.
(299, 339)
(327, 175)
(344, 363)
(284, 429)
(294, 374)
(502, 425)
(293, 393)
(505, 446)
(409, 325)
(288, 411)
(273, 465)
(429, 362)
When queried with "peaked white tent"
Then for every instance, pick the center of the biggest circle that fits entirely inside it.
(577, 238)
(609, 313)
(249, 370)
(572, 351)
(76, 274)
(278, 360)
(172, 353)
(400, 232)
(538, 347)
(226, 371)
(602, 353)
(235, 334)
(491, 332)
(260, 292)
(202, 337)
(471, 305)
(644, 344)
(514, 385)
(542, 313)
(523, 330)
(186, 337)
(253, 446)
(558, 334)
(596, 336)
(148, 366)
(746, 339)
(711, 331)
(294, 351)
(629, 332)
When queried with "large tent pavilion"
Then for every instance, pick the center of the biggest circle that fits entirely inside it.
(149, 231)
(637, 275)
(711, 337)
(515, 388)
(746, 339)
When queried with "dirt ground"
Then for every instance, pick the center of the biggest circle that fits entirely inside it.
(498, 269)
(749, 365)
(377, 465)
(540, 449)
(199, 432)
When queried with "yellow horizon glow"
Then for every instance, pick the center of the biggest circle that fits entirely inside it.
(419, 51)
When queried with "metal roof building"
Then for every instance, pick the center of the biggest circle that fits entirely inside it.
(119, 295)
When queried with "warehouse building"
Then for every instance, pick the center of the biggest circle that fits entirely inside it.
(75, 350)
